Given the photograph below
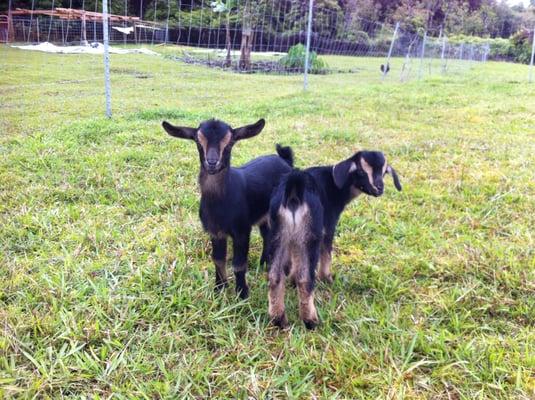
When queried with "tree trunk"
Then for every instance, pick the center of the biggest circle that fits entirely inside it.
(245, 49)
(246, 38)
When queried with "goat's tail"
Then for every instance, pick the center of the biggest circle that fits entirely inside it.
(294, 190)
(286, 153)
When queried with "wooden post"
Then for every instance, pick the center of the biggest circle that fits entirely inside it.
(83, 32)
(10, 28)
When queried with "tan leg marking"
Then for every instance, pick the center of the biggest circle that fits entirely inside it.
(325, 266)
(307, 309)
(276, 301)
(221, 268)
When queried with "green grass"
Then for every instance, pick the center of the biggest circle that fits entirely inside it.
(107, 281)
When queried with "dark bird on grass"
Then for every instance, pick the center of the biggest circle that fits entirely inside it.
(385, 70)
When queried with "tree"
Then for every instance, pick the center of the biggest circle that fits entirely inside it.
(220, 6)
(247, 34)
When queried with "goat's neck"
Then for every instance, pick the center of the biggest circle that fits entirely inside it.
(341, 197)
(213, 185)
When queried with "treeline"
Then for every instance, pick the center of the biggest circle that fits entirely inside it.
(508, 30)
(483, 18)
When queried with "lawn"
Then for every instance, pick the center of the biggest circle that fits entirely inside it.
(107, 283)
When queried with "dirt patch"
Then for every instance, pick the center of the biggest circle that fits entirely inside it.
(257, 67)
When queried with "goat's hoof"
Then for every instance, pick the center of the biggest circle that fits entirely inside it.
(220, 286)
(263, 260)
(311, 324)
(329, 279)
(280, 321)
(242, 292)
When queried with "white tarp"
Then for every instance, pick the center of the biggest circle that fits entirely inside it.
(93, 48)
(126, 31)
(149, 27)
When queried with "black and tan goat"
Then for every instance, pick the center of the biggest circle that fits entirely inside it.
(233, 199)
(304, 212)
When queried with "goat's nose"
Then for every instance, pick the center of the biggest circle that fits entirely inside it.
(212, 162)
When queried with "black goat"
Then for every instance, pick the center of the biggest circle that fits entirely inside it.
(304, 212)
(233, 199)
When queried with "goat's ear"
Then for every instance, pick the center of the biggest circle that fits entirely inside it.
(341, 172)
(248, 131)
(392, 172)
(181, 132)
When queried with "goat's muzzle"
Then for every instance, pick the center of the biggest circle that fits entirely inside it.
(212, 167)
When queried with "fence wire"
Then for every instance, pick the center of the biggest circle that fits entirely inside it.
(268, 38)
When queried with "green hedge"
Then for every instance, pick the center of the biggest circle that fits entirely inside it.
(517, 48)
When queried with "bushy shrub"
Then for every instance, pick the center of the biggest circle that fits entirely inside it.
(359, 37)
(521, 43)
(295, 60)
(501, 49)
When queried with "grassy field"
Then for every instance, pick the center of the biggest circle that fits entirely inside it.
(106, 279)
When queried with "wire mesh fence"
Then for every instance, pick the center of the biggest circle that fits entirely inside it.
(266, 37)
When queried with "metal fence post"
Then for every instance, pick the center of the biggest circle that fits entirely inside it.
(307, 53)
(485, 51)
(106, 57)
(532, 57)
(422, 56)
(387, 65)
(471, 55)
(442, 54)
(167, 23)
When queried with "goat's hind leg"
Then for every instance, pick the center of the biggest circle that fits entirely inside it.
(305, 274)
(219, 256)
(277, 280)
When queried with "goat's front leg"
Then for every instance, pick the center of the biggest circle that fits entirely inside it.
(239, 262)
(219, 256)
(325, 274)
(264, 232)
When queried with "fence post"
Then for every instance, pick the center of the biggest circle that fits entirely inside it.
(532, 57)
(422, 56)
(167, 23)
(106, 57)
(10, 30)
(307, 53)
(442, 54)
(485, 50)
(387, 64)
(471, 55)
